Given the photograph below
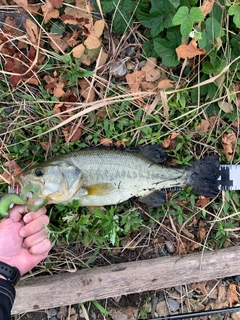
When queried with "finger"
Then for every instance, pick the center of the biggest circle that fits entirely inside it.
(30, 216)
(16, 213)
(41, 248)
(34, 226)
(34, 239)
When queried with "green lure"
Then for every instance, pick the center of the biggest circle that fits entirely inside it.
(22, 198)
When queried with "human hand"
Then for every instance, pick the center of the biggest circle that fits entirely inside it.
(23, 238)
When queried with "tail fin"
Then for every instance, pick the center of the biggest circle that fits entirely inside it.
(203, 176)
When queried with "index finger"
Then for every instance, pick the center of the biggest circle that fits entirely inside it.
(30, 216)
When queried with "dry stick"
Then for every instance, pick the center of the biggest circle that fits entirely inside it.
(124, 278)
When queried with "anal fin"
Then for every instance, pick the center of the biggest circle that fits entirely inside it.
(154, 199)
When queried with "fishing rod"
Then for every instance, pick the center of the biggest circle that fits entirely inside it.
(198, 314)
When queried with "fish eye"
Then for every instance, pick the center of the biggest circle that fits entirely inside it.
(39, 172)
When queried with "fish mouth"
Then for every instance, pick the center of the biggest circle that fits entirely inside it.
(24, 187)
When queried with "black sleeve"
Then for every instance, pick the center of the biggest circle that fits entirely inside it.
(7, 296)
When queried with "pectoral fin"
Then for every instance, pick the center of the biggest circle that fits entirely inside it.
(154, 199)
(100, 189)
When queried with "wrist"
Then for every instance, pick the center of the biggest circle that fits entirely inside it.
(9, 273)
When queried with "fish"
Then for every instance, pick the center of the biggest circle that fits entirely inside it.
(99, 176)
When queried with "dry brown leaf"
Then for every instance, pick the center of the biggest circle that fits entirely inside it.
(58, 42)
(22, 3)
(232, 295)
(9, 26)
(121, 143)
(201, 286)
(189, 51)
(236, 123)
(45, 145)
(78, 51)
(202, 202)
(73, 40)
(56, 3)
(166, 83)
(201, 231)
(87, 91)
(11, 170)
(214, 121)
(204, 126)
(32, 31)
(148, 86)
(151, 70)
(237, 98)
(72, 133)
(102, 59)
(62, 107)
(228, 142)
(134, 81)
(170, 142)
(49, 11)
(92, 41)
(106, 142)
(58, 91)
(207, 6)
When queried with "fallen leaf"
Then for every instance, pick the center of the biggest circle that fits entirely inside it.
(106, 142)
(202, 202)
(225, 106)
(237, 98)
(32, 31)
(56, 3)
(87, 91)
(92, 41)
(49, 11)
(204, 126)
(80, 10)
(78, 51)
(166, 83)
(20, 64)
(73, 40)
(102, 60)
(151, 70)
(9, 25)
(232, 295)
(214, 121)
(201, 231)
(22, 3)
(170, 142)
(148, 86)
(58, 42)
(201, 286)
(72, 133)
(228, 142)
(134, 81)
(207, 6)
(236, 123)
(189, 51)
(121, 143)
(45, 145)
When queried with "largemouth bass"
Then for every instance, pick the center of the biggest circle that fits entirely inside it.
(102, 176)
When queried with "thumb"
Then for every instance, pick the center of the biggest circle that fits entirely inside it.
(16, 213)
